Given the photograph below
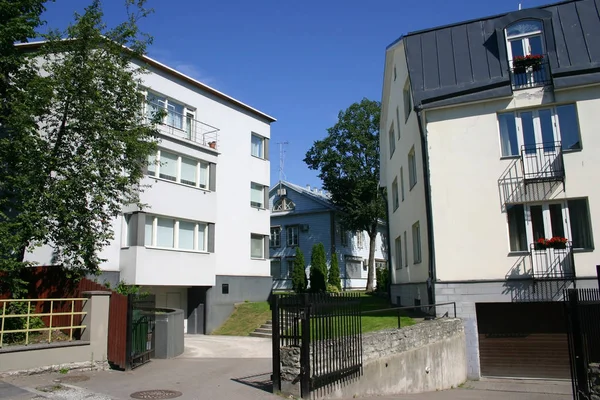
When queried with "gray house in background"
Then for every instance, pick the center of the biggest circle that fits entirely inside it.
(489, 148)
(304, 216)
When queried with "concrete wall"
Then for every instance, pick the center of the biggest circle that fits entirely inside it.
(219, 306)
(408, 294)
(92, 347)
(424, 357)
(169, 337)
(407, 136)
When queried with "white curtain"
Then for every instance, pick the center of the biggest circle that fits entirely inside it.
(508, 134)
(168, 166)
(188, 171)
(257, 148)
(204, 175)
(202, 237)
(186, 235)
(256, 246)
(257, 195)
(164, 232)
(175, 115)
(148, 231)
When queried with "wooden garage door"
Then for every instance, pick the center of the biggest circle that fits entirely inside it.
(527, 340)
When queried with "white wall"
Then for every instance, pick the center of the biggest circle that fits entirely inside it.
(412, 209)
(471, 232)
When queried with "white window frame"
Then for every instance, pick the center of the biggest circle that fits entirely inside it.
(255, 186)
(412, 168)
(395, 198)
(275, 238)
(254, 236)
(416, 233)
(199, 165)
(198, 228)
(524, 37)
(262, 146)
(292, 232)
(360, 239)
(188, 114)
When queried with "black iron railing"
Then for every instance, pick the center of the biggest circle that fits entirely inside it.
(422, 310)
(542, 162)
(552, 263)
(530, 72)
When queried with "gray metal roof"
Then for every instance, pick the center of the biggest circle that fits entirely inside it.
(467, 61)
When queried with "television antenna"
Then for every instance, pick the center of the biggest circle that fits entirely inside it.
(282, 160)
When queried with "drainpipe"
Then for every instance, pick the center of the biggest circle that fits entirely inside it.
(388, 240)
(426, 183)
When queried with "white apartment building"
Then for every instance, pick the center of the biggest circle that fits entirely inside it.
(489, 149)
(202, 244)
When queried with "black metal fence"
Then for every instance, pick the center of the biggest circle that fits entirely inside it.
(583, 327)
(542, 162)
(327, 330)
(140, 329)
(552, 263)
(534, 73)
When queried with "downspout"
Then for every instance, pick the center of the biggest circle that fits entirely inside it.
(426, 182)
(388, 244)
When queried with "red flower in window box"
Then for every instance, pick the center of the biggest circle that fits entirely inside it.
(520, 63)
(557, 242)
(541, 244)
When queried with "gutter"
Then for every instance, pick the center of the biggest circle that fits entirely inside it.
(426, 182)
(389, 245)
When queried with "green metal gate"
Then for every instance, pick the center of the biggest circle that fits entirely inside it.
(141, 323)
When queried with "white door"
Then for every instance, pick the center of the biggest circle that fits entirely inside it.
(525, 41)
(544, 222)
(540, 144)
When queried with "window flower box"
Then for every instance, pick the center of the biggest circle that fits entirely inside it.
(557, 242)
(522, 63)
(541, 244)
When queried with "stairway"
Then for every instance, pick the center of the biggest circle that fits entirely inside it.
(265, 330)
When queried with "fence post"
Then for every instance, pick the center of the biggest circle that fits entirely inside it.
(305, 349)
(129, 332)
(276, 378)
(454, 303)
(399, 319)
(581, 369)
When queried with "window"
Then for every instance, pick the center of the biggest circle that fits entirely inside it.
(276, 268)
(258, 146)
(344, 237)
(225, 288)
(291, 233)
(353, 269)
(257, 195)
(516, 227)
(175, 234)
(381, 264)
(543, 126)
(287, 272)
(257, 246)
(569, 219)
(359, 240)
(180, 169)
(399, 258)
(395, 194)
(416, 233)
(407, 100)
(525, 48)
(412, 169)
(392, 138)
(395, 74)
(398, 120)
(275, 239)
(405, 252)
(174, 112)
(402, 182)
(284, 204)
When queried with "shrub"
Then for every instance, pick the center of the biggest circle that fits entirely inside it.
(15, 323)
(383, 277)
(332, 289)
(318, 269)
(298, 273)
(333, 278)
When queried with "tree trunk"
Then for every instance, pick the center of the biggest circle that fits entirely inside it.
(371, 269)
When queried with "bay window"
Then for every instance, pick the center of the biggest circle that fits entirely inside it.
(170, 233)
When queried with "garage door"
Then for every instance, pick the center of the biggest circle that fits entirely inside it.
(526, 340)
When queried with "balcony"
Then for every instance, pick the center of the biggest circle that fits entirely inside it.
(530, 72)
(534, 176)
(552, 263)
(186, 127)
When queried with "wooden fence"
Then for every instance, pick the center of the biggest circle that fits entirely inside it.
(53, 283)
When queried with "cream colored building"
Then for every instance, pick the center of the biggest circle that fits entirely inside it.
(489, 144)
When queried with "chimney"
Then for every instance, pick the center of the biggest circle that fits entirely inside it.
(308, 187)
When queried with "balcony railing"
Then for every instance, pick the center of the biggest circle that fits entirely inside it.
(529, 72)
(552, 263)
(186, 127)
(542, 162)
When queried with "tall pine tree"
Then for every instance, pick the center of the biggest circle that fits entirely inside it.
(333, 278)
(318, 269)
(299, 273)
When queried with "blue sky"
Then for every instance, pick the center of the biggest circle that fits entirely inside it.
(299, 61)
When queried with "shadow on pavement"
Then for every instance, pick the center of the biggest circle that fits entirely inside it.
(260, 381)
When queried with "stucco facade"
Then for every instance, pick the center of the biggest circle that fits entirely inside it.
(308, 215)
(200, 222)
(506, 158)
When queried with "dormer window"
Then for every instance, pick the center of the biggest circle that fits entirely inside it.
(283, 204)
(525, 47)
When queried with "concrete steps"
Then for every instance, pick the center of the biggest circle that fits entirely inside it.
(264, 331)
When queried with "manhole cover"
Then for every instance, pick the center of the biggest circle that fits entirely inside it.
(74, 379)
(156, 394)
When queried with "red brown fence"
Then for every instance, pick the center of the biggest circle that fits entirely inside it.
(53, 282)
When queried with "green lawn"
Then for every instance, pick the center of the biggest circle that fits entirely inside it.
(248, 316)
(245, 319)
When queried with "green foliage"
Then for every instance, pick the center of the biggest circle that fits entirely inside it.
(299, 283)
(383, 279)
(333, 278)
(73, 141)
(15, 323)
(63, 370)
(125, 289)
(348, 164)
(318, 268)
(332, 288)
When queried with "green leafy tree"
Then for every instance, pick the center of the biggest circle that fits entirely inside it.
(348, 164)
(73, 141)
(318, 268)
(299, 282)
(333, 278)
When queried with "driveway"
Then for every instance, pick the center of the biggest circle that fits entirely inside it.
(209, 346)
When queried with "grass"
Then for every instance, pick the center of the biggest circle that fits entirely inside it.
(381, 320)
(245, 319)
